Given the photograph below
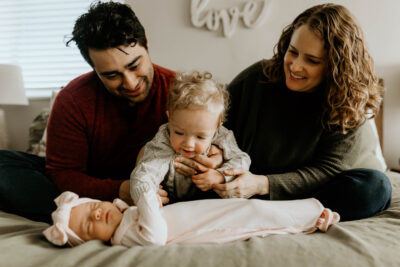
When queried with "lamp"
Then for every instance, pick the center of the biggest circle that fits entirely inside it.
(12, 92)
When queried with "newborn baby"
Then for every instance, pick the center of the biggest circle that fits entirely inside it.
(77, 220)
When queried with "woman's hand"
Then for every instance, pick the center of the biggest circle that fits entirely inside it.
(199, 163)
(245, 185)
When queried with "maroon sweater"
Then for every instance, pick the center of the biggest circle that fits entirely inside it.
(93, 137)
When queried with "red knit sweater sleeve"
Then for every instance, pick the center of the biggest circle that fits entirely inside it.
(67, 152)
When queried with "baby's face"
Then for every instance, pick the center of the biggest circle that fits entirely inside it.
(192, 130)
(95, 220)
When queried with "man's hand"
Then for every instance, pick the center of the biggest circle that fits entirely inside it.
(199, 163)
(163, 196)
(188, 167)
(213, 159)
(124, 192)
(205, 181)
(245, 185)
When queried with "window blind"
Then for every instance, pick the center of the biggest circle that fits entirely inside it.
(33, 35)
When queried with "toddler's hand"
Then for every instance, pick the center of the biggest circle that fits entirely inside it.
(205, 181)
(162, 196)
(159, 200)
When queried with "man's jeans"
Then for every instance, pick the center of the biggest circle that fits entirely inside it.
(24, 188)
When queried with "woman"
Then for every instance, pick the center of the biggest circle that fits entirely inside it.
(301, 117)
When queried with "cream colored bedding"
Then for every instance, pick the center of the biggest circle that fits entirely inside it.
(369, 242)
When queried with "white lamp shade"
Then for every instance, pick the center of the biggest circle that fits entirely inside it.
(12, 90)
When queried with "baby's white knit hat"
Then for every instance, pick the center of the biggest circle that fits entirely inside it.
(60, 233)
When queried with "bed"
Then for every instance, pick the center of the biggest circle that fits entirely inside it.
(369, 242)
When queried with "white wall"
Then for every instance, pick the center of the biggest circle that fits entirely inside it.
(176, 44)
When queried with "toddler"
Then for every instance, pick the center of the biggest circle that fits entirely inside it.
(196, 110)
(77, 220)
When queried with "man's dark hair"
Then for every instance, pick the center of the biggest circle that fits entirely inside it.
(107, 25)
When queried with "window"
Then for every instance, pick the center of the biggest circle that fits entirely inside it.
(33, 34)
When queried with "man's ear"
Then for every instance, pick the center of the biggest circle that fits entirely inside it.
(166, 112)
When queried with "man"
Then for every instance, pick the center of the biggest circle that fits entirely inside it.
(99, 121)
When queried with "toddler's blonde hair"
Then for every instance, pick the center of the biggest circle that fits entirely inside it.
(198, 90)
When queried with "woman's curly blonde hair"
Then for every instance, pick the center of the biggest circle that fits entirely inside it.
(198, 90)
(352, 90)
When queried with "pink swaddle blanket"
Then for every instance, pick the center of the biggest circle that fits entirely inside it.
(218, 220)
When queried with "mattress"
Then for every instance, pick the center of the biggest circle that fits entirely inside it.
(373, 241)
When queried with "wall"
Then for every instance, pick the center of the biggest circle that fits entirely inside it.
(176, 44)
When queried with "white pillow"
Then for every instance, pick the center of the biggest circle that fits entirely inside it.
(378, 149)
(370, 152)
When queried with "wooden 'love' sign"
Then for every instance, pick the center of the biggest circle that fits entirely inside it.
(252, 14)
